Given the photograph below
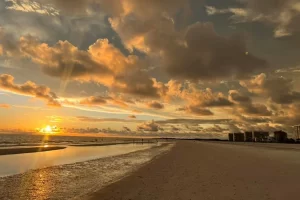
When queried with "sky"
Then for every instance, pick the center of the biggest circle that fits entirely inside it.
(190, 68)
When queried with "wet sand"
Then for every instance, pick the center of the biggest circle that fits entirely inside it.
(216, 171)
(9, 151)
(78, 180)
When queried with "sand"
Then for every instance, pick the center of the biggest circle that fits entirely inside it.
(199, 170)
(16, 150)
(75, 181)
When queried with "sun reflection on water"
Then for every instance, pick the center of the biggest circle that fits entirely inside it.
(35, 186)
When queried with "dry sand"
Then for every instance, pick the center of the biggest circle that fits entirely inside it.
(199, 170)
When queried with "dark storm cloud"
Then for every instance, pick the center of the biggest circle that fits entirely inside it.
(210, 56)
(29, 89)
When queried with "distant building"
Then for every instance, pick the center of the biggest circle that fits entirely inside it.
(230, 137)
(280, 136)
(238, 137)
(260, 136)
(248, 136)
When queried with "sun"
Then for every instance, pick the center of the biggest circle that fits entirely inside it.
(48, 129)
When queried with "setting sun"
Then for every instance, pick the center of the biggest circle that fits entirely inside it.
(48, 129)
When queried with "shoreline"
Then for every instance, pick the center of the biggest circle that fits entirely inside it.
(15, 151)
(76, 180)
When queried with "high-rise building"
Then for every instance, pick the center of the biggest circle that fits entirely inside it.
(280, 136)
(260, 136)
(248, 136)
(230, 137)
(238, 137)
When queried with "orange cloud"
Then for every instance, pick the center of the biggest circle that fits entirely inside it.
(149, 126)
(279, 89)
(4, 106)
(155, 105)
(29, 89)
(196, 110)
(102, 63)
(94, 100)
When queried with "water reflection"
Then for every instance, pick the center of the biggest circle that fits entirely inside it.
(36, 186)
(40, 186)
(14, 164)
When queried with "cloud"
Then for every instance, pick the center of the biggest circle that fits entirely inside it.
(196, 52)
(196, 110)
(208, 56)
(132, 116)
(215, 129)
(204, 98)
(149, 126)
(5, 106)
(139, 18)
(290, 115)
(279, 89)
(175, 129)
(193, 121)
(256, 109)
(93, 119)
(237, 97)
(126, 129)
(102, 63)
(29, 89)
(31, 6)
(198, 100)
(50, 7)
(155, 105)
(246, 106)
(283, 15)
(94, 100)
(42, 20)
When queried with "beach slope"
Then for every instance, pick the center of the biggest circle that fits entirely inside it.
(199, 170)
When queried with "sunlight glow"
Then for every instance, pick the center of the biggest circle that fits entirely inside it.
(49, 129)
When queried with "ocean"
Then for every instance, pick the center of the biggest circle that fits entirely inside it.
(9, 139)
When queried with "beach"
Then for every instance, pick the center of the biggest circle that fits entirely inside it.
(80, 179)
(216, 171)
